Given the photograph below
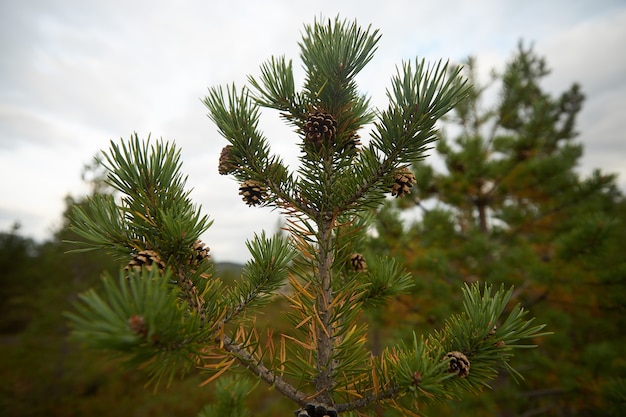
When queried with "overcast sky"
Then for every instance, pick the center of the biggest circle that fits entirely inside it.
(75, 74)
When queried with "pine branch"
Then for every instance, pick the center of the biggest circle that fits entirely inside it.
(263, 275)
(265, 374)
(327, 198)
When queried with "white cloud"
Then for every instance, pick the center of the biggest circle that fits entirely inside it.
(589, 53)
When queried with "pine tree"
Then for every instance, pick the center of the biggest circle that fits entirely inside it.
(510, 207)
(169, 312)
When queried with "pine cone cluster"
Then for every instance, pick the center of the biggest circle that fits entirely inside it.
(459, 364)
(403, 181)
(358, 262)
(252, 192)
(320, 129)
(145, 259)
(312, 410)
(226, 164)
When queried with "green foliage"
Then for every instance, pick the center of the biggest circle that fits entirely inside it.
(155, 210)
(509, 207)
(169, 311)
(262, 276)
(15, 257)
(139, 314)
(385, 279)
(230, 394)
(475, 333)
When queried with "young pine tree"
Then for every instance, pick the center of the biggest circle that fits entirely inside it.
(169, 312)
(510, 207)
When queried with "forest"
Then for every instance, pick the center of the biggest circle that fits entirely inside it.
(506, 206)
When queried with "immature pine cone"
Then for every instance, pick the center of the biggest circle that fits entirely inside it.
(417, 378)
(358, 262)
(320, 128)
(252, 192)
(226, 165)
(137, 324)
(145, 259)
(459, 364)
(403, 181)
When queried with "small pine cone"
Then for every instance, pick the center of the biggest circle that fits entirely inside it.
(351, 143)
(313, 410)
(320, 128)
(417, 378)
(200, 252)
(403, 181)
(226, 164)
(459, 364)
(137, 324)
(330, 412)
(358, 262)
(145, 259)
(252, 192)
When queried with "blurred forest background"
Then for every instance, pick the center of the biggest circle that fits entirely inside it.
(500, 201)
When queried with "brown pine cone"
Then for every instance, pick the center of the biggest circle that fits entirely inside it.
(252, 192)
(145, 259)
(358, 262)
(403, 181)
(320, 129)
(200, 252)
(459, 364)
(226, 164)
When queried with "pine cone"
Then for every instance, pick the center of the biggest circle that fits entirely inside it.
(417, 378)
(358, 262)
(320, 128)
(403, 181)
(351, 143)
(253, 192)
(312, 410)
(137, 324)
(145, 259)
(201, 252)
(226, 164)
(459, 364)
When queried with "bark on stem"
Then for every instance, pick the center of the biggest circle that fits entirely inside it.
(325, 346)
(367, 400)
(267, 375)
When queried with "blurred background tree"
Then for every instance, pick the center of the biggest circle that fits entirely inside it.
(508, 205)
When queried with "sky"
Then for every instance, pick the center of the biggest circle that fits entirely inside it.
(76, 74)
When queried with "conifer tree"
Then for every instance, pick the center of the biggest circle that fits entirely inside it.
(509, 206)
(169, 312)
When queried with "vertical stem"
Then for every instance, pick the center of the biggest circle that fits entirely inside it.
(325, 340)
(482, 205)
(325, 343)
(482, 217)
